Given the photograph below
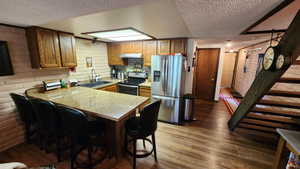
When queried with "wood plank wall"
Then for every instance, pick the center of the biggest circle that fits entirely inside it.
(11, 128)
(244, 79)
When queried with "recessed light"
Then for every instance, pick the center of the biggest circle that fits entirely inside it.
(126, 34)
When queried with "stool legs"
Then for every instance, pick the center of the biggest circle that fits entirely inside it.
(154, 146)
(134, 154)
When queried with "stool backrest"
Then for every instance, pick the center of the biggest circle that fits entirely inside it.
(24, 108)
(75, 124)
(149, 117)
(47, 116)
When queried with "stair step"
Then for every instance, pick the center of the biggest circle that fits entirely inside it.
(279, 103)
(257, 128)
(266, 123)
(289, 80)
(297, 62)
(278, 112)
(268, 117)
(283, 93)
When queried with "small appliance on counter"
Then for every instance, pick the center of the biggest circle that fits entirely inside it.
(51, 84)
(73, 82)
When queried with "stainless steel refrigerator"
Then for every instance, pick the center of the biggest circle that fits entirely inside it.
(168, 74)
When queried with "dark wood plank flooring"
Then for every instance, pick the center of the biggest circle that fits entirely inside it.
(203, 144)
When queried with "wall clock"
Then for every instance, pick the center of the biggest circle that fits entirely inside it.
(270, 57)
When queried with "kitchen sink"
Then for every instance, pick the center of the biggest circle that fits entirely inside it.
(93, 84)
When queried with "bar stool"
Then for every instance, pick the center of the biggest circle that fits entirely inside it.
(84, 135)
(49, 124)
(139, 128)
(26, 113)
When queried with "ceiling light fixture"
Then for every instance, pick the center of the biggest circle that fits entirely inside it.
(125, 34)
(228, 44)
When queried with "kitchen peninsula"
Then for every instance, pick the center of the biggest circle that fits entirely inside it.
(113, 108)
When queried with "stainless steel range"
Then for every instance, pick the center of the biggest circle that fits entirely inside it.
(131, 85)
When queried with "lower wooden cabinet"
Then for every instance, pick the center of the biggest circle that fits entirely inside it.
(111, 88)
(145, 92)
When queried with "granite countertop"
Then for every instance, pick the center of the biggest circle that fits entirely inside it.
(145, 84)
(104, 104)
(291, 137)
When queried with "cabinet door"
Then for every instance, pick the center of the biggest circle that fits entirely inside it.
(149, 49)
(67, 49)
(48, 46)
(114, 52)
(178, 46)
(132, 47)
(163, 47)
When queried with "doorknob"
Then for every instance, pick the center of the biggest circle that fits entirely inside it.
(213, 79)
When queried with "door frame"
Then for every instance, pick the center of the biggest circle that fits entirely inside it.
(195, 71)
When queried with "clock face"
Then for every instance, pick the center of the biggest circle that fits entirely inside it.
(280, 61)
(269, 58)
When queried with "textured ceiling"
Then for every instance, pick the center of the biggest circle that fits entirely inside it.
(204, 19)
(222, 18)
(35, 12)
(158, 18)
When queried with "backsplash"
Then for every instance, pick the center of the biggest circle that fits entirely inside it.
(133, 65)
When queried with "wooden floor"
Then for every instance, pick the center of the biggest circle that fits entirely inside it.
(203, 144)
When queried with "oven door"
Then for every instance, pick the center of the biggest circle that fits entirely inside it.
(128, 89)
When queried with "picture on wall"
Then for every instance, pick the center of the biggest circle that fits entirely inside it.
(5, 62)
(89, 62)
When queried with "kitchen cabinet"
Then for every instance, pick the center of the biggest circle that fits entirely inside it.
(145, 92)
(114, 52)
(67, 49)
(49, 48)
(132, 47)
(44, 48)
(163, 47)
(149, 49)
(178, 46)
(111, 88)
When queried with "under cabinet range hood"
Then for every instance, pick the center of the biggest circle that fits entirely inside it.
(131, 55)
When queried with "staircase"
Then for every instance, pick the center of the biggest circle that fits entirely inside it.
(276, 109)
(266, 106)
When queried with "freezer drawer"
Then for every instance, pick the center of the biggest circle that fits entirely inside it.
(171, 109)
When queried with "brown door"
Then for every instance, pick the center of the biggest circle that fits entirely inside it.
(67, 49)
(48, 48)
(205, 73)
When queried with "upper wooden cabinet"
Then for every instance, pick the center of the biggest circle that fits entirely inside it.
(67, 49)
(132, 47)
(163, 47)
(114, 52)
(178, 46)
(48, 48)
(149, 49)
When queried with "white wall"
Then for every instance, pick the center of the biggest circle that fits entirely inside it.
(98, 51)
(189, 75)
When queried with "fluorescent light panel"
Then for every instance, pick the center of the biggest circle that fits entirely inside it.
(120, 35)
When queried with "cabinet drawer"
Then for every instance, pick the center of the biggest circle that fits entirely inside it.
(145, 91)
(112, 88)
